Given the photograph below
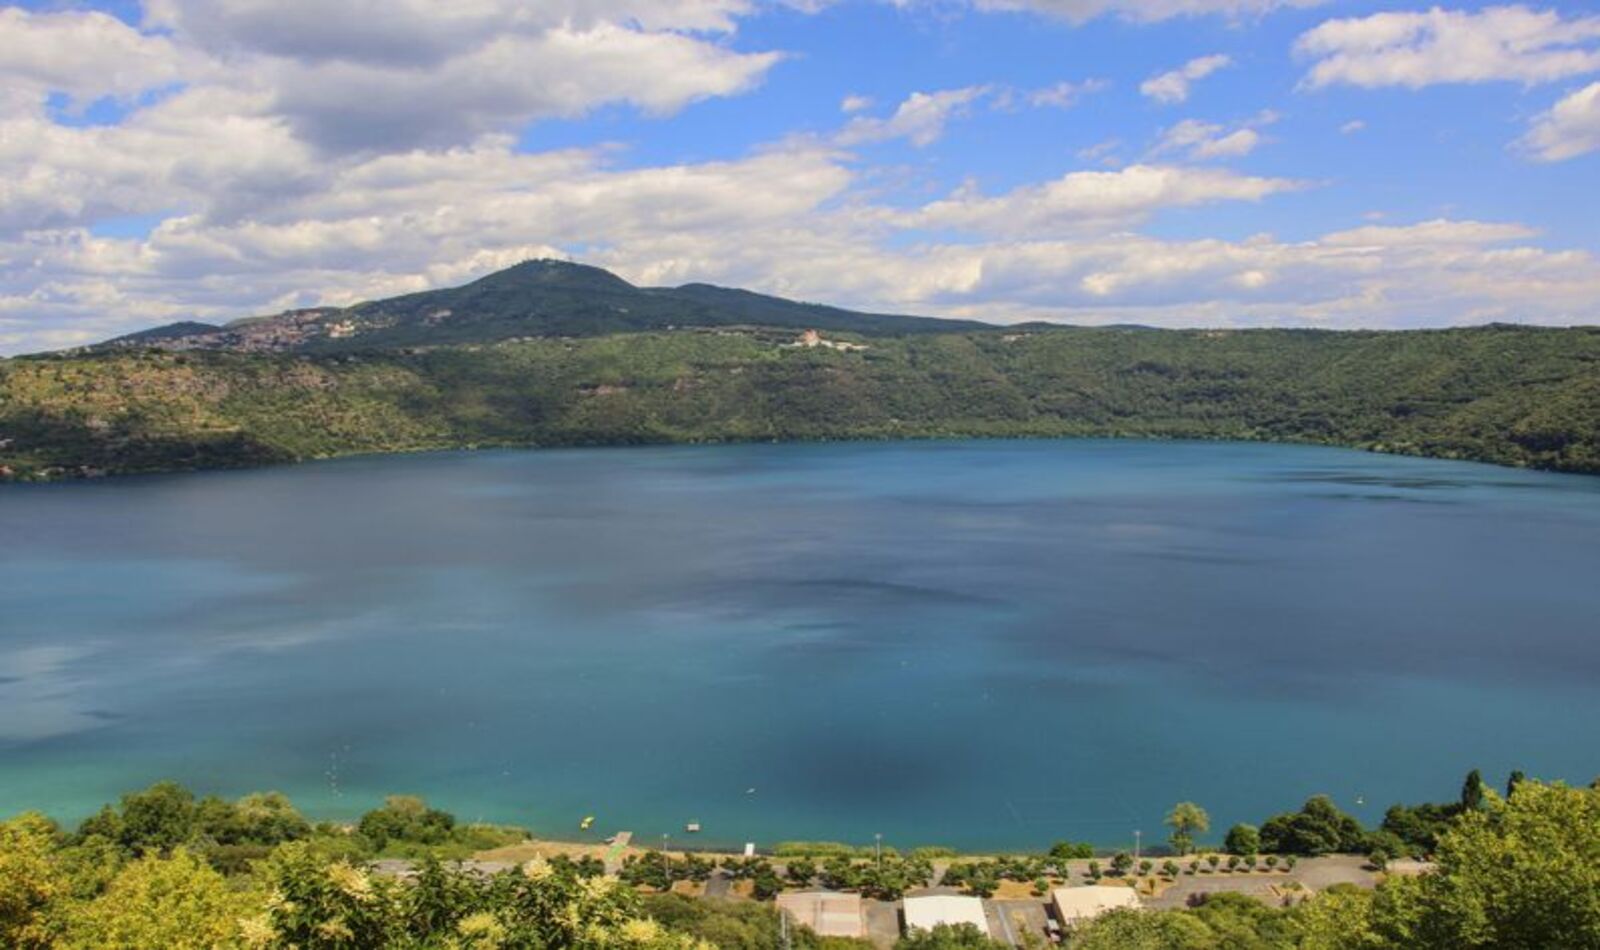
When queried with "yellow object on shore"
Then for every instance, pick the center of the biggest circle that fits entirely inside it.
(584, 825)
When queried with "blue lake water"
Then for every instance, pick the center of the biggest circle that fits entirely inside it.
(978, 644)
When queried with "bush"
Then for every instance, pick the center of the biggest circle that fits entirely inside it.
(1242, 839)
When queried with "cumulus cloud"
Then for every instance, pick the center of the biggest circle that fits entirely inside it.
(1137, 11)
(1567, 129)
(1173, 86)
(505, 83)
(85, 56)
(920, 119)
(1094, 200)
(395, 74)
(1416, 49)
(379, 155)
(1209, 140)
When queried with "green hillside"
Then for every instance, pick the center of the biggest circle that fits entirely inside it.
(1511, 395)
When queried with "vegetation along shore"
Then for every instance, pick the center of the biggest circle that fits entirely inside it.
(551, 354)
(162, 868)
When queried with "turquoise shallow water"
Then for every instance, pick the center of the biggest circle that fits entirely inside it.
(978, 644)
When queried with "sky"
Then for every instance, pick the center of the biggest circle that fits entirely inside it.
(1223, 163)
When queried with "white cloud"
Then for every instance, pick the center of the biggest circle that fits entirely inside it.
(1064, 95)
(1086, 200)
(85, 56)
(920, 119)
(506, 83)
(1138, 11)
(1208, 140)
(853, 104)
(1352, 127)
(377, 155)
(1416, 49)
(1567, 129)
(1173, 86)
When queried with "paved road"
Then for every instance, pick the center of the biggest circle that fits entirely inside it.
(719, 885)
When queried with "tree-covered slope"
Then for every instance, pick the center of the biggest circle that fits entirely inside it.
(1517, 396)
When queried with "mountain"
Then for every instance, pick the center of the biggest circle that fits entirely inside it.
(541, 298)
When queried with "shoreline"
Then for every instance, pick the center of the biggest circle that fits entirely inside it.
(118, 477)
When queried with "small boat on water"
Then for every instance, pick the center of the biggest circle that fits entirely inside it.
(586, 823)
(692, 827)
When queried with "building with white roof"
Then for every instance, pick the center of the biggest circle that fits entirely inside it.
(931, 910)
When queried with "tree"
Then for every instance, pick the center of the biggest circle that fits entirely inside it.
(1513, 780)
(1518, 872)
(801, 871)
(1213, 860)
(1186, 820)
(1170, 868)
(1233, 862)
(177, 902)
(1472, 791)
(983, 880)
(405, 818)
(1242, 839)
(1121, 863)
(1145, 865)
(1071, 851)
(31, 881)
(1319, 827)
(766, 883)
(157, 819)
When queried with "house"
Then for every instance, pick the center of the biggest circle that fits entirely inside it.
(1074, 905)
(827, 913)
(931, 910)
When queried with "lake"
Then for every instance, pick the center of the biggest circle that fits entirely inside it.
(974, 644)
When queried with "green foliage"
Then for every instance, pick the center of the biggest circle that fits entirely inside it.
(1242, 839)
(1517, 396)
(1472, 791)
(801, 871)
(174, 901)
(1186, 820)
(405, 818)
(1071, 851)
(1319, 827)
(1418, 827)
(979, 878)
(30, 882)
(727, 925)
(949, 937)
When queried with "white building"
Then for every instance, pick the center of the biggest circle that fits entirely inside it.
(1077, 904)
(931, 910)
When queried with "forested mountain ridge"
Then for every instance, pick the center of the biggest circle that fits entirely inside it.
(1507, 394)
(538, 298)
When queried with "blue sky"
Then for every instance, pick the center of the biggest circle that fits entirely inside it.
(1176, 162)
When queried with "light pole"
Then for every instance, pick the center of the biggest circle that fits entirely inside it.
(666, 867)
(877, 849)
(1136, 835)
